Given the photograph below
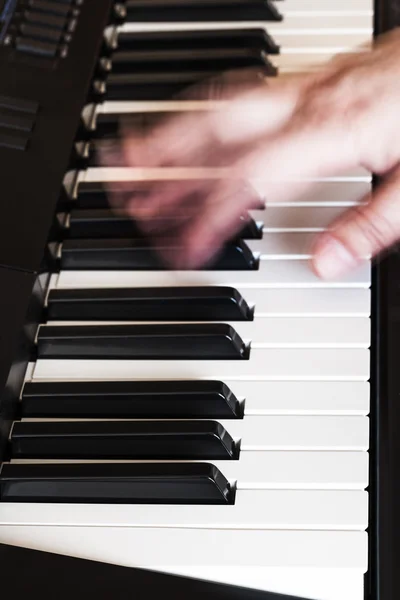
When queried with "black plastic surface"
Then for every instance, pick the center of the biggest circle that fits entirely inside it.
(17, 293)
(113, 483)
(206, 303)
(109, 125)
(130, 399)
(201, 10)
(187, 40)
(94, 194)
(181, 60)
(163, 342)
(107, 223)
(55, 91)
(163, 85)
(124, 440)
(130, 254)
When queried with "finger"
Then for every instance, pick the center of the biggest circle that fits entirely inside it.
(220, 220)
(287, 164)
(361, 232)
(192, 138)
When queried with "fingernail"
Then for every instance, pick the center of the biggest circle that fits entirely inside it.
(332, 259)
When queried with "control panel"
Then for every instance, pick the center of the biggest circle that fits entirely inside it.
(39, 27)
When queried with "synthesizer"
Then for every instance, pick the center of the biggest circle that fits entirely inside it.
(231, 430)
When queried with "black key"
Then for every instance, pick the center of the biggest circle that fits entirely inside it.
(106, 223)
(160, 342)
(94, 195)
(201, 10)
(149, 304)
(161, 86)
(130, 400)
(101, 223)
(109, 125)
(115, 484)
(122, 440)
(187, 60)
(193, 40)
(131, 254)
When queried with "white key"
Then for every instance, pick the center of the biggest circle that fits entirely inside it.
(304, 38)
(267, 433)
(264, 365)
(261, 509)
(300, 302)
(292, 60)
(294, 22)
(342, 7)
(283, 245)
(299, 433)
(311, 583)
(186, 547)
(302, 398)
(297, 218)
(343, 190)
(307, 302)
(314, 584)
(271, 274)
(318, 41)
(283, 470)
(280, 332)
(121, 174)
(336, 191)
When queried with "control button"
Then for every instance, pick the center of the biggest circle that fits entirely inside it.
(64, 51)
(32, 46)
(14, 142)
(45, 6)
(16, 121)
(17, 104)
(72, 25)
(44, 20)
(41, 33)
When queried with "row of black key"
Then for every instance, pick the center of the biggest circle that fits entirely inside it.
(138, 70)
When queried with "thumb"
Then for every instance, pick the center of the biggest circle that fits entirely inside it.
(361, 232)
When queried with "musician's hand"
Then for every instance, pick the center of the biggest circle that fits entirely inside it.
(296, 128)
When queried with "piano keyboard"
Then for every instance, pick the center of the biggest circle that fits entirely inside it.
(249, 438)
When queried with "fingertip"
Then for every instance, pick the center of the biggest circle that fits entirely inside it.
(331, 259)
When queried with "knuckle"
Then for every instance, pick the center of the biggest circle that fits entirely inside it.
(336, 97)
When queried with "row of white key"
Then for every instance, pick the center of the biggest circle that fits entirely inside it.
(280, 470)
(163, 548)
(263, 365)
(295, 433)
(270, 274)
(253, 509)
(269, 302)
(293, 332)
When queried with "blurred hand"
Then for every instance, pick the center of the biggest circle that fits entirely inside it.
(268, 142)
